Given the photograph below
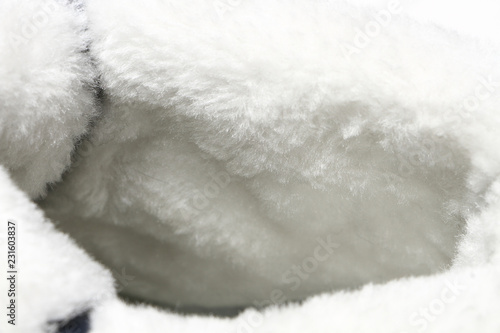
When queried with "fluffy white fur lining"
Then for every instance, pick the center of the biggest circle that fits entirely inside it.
(254, 92)
(56, 279)
(46, 89)
(237, 141)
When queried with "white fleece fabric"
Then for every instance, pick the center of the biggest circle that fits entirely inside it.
(55, 279)
(46, 89)
(263, 149)
(250, 153)
(461, 300)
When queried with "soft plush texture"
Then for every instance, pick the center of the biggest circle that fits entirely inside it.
(251, 153)
(56, 280)
(231, 149)
(47, 87)
(462, 300)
